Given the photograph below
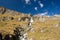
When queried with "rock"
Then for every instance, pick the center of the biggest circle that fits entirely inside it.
(42, 19)
(9, 37)
(0, 36)
(19, 19)
(10, 18)
(31, 20)
(57, 25)
(2, 10)
(3, 18)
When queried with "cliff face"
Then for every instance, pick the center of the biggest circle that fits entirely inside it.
(37, 27)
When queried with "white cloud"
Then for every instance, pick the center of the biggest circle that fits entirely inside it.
(44, 13)
(35, 8)
(27, 1)
(41, 4)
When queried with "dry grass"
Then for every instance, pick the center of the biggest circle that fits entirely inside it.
(50, 31)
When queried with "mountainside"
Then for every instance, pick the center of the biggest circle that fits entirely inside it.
(36, 27)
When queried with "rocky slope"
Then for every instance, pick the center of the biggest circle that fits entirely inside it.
(36, 27)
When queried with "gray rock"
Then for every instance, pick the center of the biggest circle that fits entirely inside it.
(2, 10)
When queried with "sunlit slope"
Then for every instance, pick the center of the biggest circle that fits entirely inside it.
(47, 30)
(43, 27)
(9, 20)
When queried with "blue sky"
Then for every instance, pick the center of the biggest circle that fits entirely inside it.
(50, 7)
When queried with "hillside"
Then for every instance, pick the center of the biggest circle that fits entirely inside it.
(37, 27)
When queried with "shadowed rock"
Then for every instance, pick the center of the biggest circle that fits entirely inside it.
(3, 18)
(10, 18)
(24, 18)
(10, 37)
(0, 36)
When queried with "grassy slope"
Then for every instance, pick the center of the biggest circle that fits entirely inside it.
(50, 31)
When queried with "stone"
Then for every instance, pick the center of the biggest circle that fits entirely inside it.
(2, 10)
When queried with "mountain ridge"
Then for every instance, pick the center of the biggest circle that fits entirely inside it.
(40, 14)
